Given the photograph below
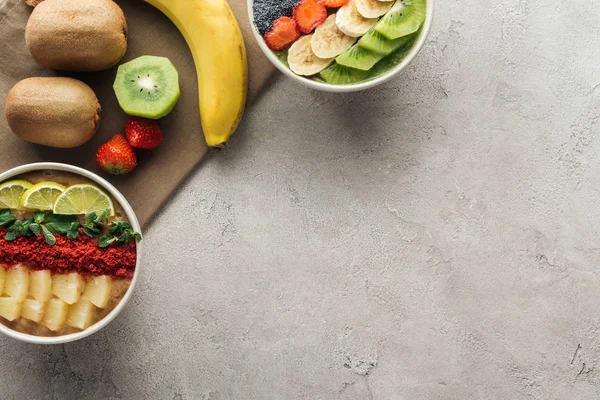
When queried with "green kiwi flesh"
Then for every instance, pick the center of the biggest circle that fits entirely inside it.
(404, 18)
(147, 86)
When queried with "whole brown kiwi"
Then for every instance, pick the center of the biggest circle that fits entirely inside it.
(77, 35)
(55, 112)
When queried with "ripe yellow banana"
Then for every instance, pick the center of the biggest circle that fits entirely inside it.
(215, 40)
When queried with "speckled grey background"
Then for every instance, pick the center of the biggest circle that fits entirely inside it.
(434, 238)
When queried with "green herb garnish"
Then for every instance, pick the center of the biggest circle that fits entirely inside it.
(69, 225)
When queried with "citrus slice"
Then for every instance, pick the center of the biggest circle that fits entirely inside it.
(42, 196)
(11, 193)
(83, 199)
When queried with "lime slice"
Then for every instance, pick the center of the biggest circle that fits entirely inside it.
(11, 193)
(42, 196)
(83, 199)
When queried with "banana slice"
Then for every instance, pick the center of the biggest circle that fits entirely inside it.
(373, 8)
(329, 41)
(302, 60)
(349, 21)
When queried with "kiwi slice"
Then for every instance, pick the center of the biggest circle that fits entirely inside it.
(147, 86)
(377, 43)
(336, 74)
(359, 58)
(404, 18)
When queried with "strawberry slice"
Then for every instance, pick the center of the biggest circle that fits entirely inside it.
(283, 34)
(333, 3)
(309, 14)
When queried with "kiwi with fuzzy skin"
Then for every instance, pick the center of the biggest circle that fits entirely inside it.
(55, 112)
(77, 35)
(147, 86)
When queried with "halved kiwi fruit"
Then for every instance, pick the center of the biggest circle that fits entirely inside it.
(147, 86)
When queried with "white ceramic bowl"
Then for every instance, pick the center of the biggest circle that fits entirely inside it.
(132, 219)
(355, 87)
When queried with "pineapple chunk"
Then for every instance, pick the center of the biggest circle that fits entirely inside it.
(33, 310)
(81, 314)
(98, 289)
(10, 308)
(17, 282)
(2, 277)
(40, 285)
(56, 314)
(68, 288)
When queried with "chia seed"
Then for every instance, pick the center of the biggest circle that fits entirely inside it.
(267, 11)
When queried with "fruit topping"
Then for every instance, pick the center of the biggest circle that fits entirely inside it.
(10, 308)
(81, 314)
(349, 21)
(32, 310)
(17, 282)
(40, 285)
(302, 60)
(55, 314)
(282, 35)
(84, 199)
(329, 41)
(373, 8)
(309, 14)
(147, 87)
(42, 196)
(11, 193)
(143, 133)
(267, 11)
(404, 18)
(116, 156)
(333, 3)
(97, 290)
(68, 288)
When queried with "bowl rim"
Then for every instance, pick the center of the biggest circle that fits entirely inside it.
(354, 87)
(114, 192)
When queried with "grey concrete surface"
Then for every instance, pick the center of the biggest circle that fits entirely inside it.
(433, 238)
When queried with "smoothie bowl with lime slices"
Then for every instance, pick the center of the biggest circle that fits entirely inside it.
(341, 45)
(69, 251)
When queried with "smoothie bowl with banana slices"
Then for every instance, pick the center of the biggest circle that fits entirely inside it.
(341, 45)
(69, 252)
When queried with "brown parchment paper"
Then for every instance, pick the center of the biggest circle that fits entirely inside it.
(159, 172)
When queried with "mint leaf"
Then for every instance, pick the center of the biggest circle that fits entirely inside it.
(106, 240)
(5, 211)
(73, 234)
(105, 214)
(90, 217)
(6, 219)
(61, 223)
(92, 232)
(35, 228)
(24, 227)
(39, 216)
(50, 239)
(11, 235)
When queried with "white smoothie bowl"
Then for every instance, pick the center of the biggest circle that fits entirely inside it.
(354, 87)
(119, 198)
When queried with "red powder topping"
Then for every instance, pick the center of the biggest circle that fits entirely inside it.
(80, 255)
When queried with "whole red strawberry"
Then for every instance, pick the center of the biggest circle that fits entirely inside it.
(116, 156)
(143, 133)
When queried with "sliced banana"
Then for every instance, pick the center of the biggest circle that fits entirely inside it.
(373, 8)
(328, 41)
(302, 60)
(349, 21)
